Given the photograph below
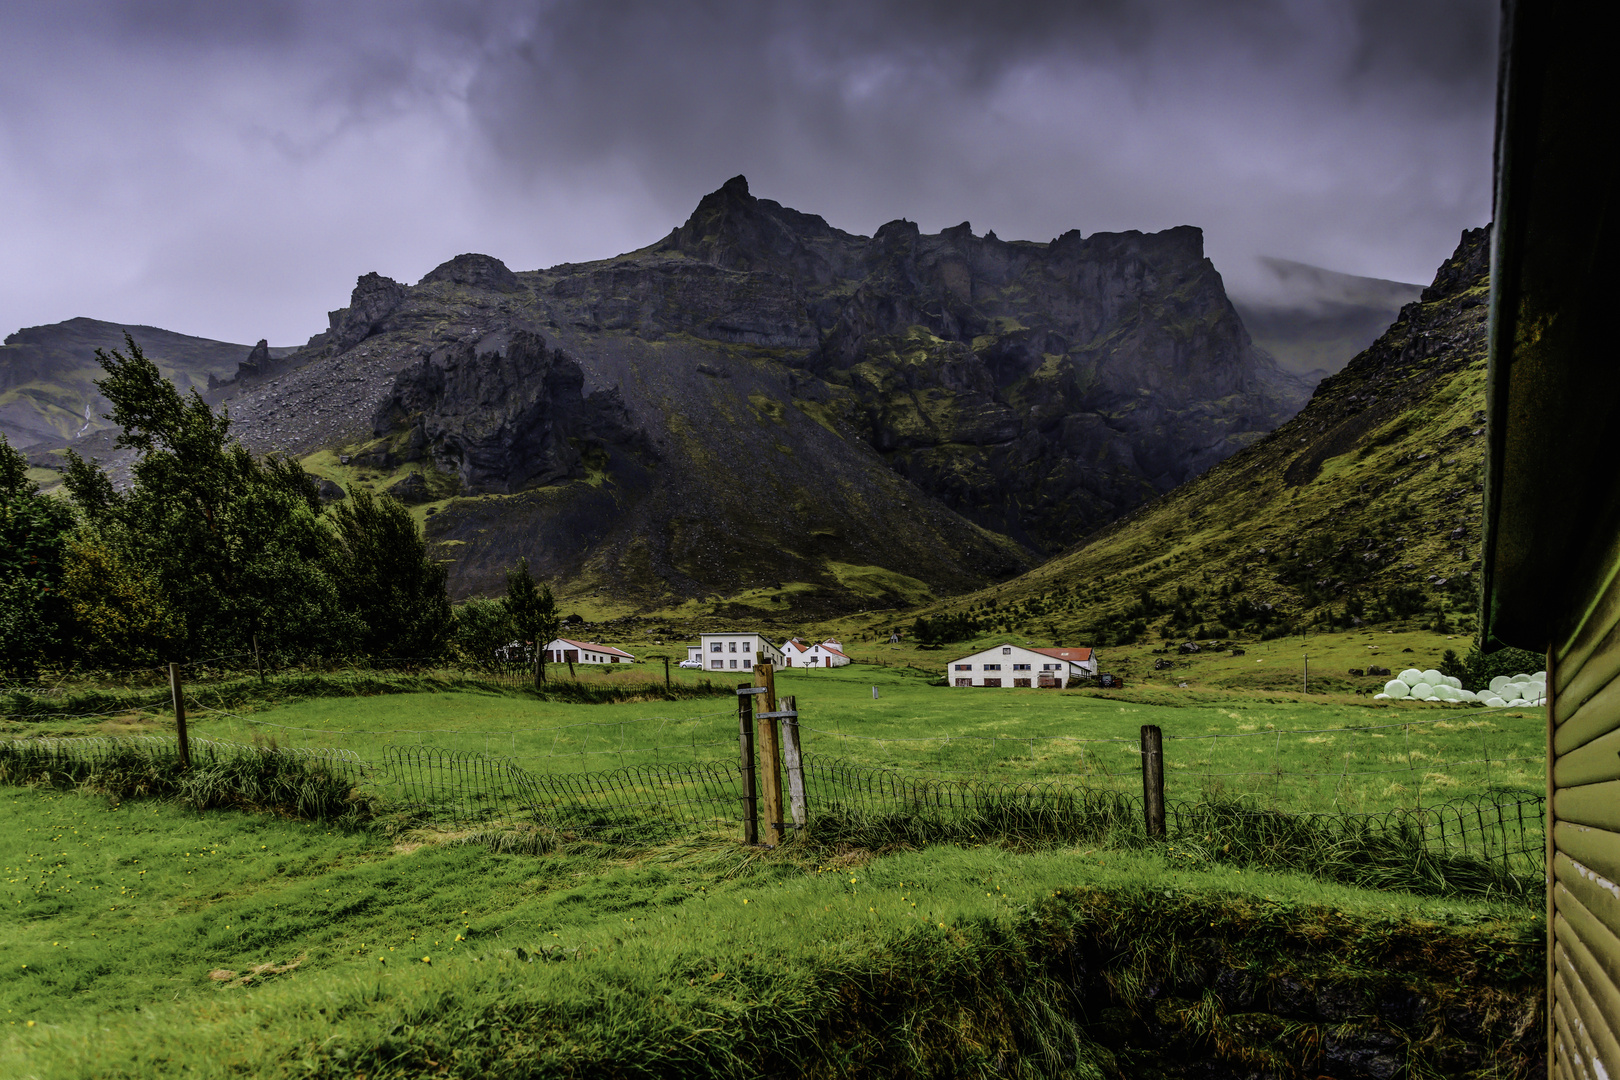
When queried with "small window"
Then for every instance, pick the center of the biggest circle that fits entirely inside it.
(747, 645)
(964, 667)
(733, 663)
(1020, 667)
(1006, 652)
(717, 663)
(716, 647)
(992, 667)
(733, 648)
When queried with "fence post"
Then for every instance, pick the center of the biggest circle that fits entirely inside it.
(745, 754)
(666, 673)
(794, 761)
(770, 758)
(1153, 779)
(177, 692)
(258, 661)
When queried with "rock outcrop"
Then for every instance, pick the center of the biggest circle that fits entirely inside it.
(760, 398)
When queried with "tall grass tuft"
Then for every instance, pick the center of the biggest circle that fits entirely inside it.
(262, 778)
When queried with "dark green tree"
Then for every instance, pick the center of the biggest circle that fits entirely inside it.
(482, 627)
(533, 611)
(386, 579)
(33, 530)
(235, 546)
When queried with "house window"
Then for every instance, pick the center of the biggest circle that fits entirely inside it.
(716, 647)
(747, 645)
(734, 663)
(964, 682)
(717, 663)
(964, 667)
(1006, 652)
(733, 648)
(992, 667)
(1020, 667)
(1020, 682)
(992, 682)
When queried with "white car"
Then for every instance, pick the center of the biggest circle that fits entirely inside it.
(691, 664)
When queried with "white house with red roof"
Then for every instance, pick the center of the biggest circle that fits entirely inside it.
(1008, 665)
(567, 651)
(824, 654)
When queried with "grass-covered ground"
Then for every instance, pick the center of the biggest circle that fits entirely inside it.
(1317, 751)
(145, 940)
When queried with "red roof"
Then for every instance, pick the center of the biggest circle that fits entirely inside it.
(1073, 656)
(830, 648)
(796, 644)
(594, 647)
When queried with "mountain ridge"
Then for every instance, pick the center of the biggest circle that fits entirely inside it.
(763, 407)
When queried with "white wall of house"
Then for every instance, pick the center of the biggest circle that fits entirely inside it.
(694, 652)
(737, 652)
(1009, 666)
(567, 651)
(820, 654)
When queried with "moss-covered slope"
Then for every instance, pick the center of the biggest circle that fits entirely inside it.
(1364, 506)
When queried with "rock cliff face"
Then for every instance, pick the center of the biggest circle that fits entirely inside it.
(1366, 506)
(761, 405)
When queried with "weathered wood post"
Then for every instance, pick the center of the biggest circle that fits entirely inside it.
(177, 692)
(258, 661)
(745, 756)
(770, 757)
(794, 761)
(1153, 779)
(666, 673)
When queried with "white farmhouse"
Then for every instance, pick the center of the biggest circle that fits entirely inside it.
(737, 652)
(829, 653)
(566, 651)
(1009, 665)
(694, 653)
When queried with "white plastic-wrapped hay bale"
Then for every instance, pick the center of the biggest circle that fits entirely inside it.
(1411, 676)
(1396, 689)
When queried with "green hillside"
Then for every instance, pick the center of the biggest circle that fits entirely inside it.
(1365, 506)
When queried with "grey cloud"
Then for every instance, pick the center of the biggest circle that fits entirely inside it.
(305, 142)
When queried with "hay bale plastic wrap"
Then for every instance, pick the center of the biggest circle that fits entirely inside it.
(1504, 691)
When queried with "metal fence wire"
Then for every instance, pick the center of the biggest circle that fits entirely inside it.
(648, 801)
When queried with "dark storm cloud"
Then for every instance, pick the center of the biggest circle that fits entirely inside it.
(229, 168)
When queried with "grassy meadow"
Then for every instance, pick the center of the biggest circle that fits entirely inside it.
(1329, 749)
(145, 940)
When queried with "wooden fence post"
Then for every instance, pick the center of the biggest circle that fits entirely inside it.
(177, 692)
(666, 673)
(794, 761)
(745, 755)
(1153, 779)
(258, 661)
(770, 758)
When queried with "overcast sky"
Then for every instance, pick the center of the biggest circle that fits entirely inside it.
(228, 168)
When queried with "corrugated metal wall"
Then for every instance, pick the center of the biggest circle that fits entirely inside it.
(1583, 857)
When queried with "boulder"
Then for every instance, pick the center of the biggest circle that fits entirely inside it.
(412, 489)
(330, 491)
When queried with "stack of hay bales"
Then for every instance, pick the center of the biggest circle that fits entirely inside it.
(1415, 685)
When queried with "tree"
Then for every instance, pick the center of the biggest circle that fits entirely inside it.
(482, 627)
(386, 579)
(33, 531)
(533, 611)
(230, 549)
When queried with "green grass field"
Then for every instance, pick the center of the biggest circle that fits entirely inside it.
(1327, 752)
(145, 940)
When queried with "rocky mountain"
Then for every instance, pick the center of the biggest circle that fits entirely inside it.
(1312, 320)
(47, 372)
(766, 408)
(1364, 507)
